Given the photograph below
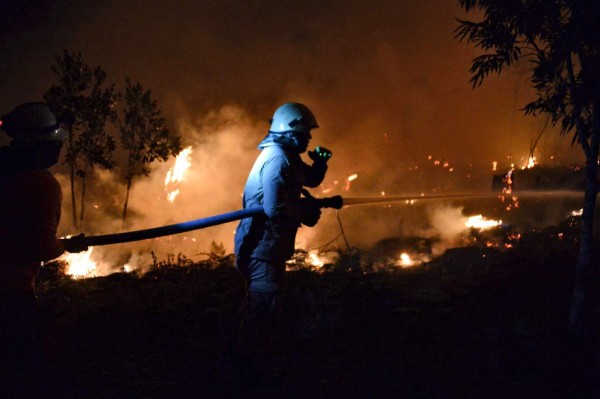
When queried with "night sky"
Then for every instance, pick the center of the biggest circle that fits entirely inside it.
(386, 80)
(366, 68)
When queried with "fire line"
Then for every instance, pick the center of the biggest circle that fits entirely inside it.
(331, 202)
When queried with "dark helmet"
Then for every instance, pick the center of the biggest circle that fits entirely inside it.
(293, 117)
(32, 123)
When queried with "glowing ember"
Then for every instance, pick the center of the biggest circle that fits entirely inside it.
(314, 259)
(478, 222)
(172, 195)
(530, 163)
(80, 264)
(405, 260)
(577, 213)
(349, 179)
(177, 173)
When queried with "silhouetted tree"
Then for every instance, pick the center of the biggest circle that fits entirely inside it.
(561, 40)
(80, 93)
(144, 135)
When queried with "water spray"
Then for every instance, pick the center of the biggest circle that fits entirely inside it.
(336, 202)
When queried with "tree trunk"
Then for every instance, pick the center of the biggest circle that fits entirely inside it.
(72, 166)
(126, 200)
(586, 246)
(83, 187)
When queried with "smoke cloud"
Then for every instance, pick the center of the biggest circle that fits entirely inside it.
(387, 81)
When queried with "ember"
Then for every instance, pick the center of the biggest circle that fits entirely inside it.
(314, 259)
(405, 260)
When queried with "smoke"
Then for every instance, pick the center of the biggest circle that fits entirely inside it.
(220, 158)
(447, 223)
(387, 81)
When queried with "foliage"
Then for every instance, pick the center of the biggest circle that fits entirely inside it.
(217, 257)
(441, 330)
(170, 262)
(561, 40)
(144, 135)
(81, 96)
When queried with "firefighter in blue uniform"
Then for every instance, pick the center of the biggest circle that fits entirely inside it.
(264, 243)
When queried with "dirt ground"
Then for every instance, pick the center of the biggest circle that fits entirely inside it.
(477, 322)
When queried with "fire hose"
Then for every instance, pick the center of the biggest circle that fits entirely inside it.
(196, 224)
(336, 202)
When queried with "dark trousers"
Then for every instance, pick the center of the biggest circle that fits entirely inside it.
(260, 316)
(20, 354)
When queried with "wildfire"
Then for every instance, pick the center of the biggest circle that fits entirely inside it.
(314, 259)
(405, 260)
(478, 222)
(530, 163)
(80, 264)
(177, 173)
(577, 213)
(317, 259)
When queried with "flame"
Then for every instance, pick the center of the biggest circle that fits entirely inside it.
(80, 264)
(405, 260)
(314, 259)
(530, 163)
(478, 222)
(317, 259)
(577, 213)
(177, 173)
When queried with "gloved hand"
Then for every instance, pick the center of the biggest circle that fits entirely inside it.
(320, 155)
(310, 213)
(75, 244)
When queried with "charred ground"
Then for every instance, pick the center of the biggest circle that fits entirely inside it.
(475, 322)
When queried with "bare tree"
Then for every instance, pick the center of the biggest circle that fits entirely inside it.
(144, 135)
(561, 41)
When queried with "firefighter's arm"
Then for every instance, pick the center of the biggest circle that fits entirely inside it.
(42, 235)
(277, 204)
(45, 216)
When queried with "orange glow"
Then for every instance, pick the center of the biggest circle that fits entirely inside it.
(177, 173)
(530, 163)
(479, 222)
(80, 264)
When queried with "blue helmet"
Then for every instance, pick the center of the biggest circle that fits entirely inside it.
(293, 117)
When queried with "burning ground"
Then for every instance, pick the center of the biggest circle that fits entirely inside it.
(207, 178)
(484, 319)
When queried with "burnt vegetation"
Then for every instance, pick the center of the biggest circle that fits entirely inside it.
(482, 320)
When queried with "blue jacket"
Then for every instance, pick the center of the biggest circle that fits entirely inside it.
(275, 182)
